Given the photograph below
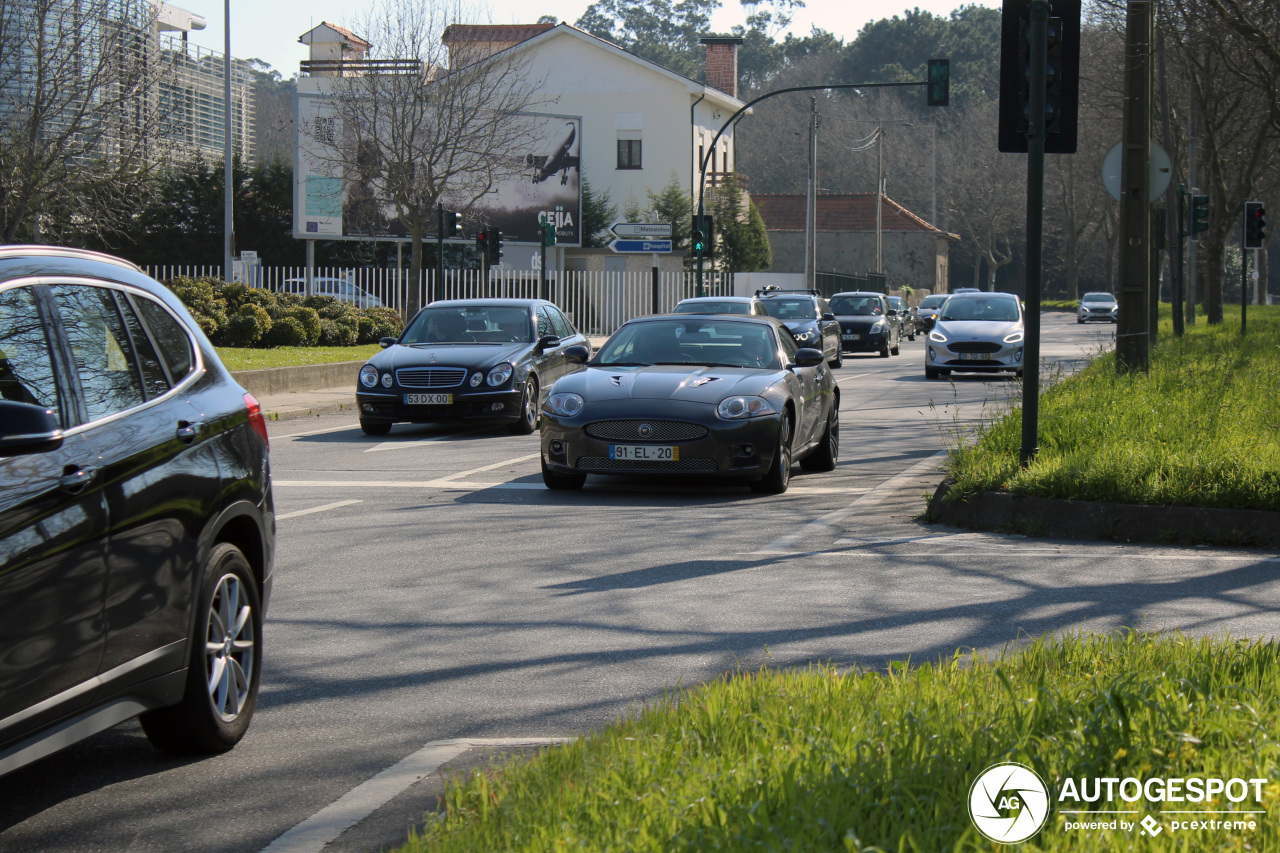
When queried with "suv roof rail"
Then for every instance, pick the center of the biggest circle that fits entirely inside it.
(773, 289)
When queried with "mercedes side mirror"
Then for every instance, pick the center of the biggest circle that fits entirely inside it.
(27, 429)
(548, 341)
(577, 354)
(386, 342)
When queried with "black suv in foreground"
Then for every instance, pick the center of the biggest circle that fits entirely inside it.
(137, 527)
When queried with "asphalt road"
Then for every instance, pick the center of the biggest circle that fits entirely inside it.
(429, 588)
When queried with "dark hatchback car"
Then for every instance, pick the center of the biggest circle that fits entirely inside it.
(866, 323)
(808, 317)
(467, 359)
(709, 395)
(137, 527)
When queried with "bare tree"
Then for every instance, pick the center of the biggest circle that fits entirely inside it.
(78, 115)
(433, 115)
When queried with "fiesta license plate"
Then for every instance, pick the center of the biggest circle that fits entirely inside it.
(644, 453)
(848, 337)
(428, 399)
(973, 356)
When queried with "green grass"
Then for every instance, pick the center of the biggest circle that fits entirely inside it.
(242, 358)
(822, 760)
(1201, 429)
(1059, 304)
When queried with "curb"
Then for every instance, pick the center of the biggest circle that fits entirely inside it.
(303, 377)
(1064, 519)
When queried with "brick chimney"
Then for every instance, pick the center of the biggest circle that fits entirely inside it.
(722, 63)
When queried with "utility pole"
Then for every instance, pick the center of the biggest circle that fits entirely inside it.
(1193, 241)
(228, 217)
(1132, 350)
(811, 201)
(879, 197)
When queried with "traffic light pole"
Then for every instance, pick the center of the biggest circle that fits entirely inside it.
(1035, 232)
(1244, 280)
(439, 282)
(702, 165)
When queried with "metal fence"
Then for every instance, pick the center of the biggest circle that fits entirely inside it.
(597, 302)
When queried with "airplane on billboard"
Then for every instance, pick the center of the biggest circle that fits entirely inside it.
(561, 156)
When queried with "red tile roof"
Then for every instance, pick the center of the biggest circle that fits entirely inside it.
(844, 212)
(343, 31)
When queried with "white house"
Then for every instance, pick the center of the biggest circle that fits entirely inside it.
(641, 124)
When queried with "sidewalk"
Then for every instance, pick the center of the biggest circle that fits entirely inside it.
(302, 402)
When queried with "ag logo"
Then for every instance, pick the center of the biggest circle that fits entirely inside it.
(1008, 803)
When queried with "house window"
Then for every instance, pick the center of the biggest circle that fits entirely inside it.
(629, 154)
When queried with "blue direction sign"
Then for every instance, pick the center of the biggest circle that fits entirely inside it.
(641, 246)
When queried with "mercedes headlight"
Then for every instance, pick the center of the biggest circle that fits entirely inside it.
(499, 374)
(737, 408)
(368, 376)
(564, 404)
(937, 337)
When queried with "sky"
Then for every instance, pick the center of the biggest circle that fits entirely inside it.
(269, 29)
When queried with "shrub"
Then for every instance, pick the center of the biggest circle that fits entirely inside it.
(378, 323)
(286, 332)
(309, 321)
(248, 326)
(339, 333)
(238, 295)
(203, 299)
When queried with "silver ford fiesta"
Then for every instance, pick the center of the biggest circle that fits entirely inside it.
(976, 333)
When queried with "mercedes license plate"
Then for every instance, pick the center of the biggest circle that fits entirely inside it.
(644, 453)
(428, 399)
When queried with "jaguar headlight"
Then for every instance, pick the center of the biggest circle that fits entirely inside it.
(499, 374)
(738, 408)
(368, 376)
(564, 404)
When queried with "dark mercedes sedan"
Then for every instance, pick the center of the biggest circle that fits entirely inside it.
(137, 528)
(709, 395)
(467, 360)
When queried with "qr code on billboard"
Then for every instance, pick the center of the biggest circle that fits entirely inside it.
(325, 129)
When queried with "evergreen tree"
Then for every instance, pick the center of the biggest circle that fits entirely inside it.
(598, 213)
(741, 242)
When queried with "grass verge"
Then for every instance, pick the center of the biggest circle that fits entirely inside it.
(243, 358)
(1201, 429)
(823, 760)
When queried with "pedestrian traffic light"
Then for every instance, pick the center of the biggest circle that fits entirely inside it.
(702, 237)
(548, 233)
(1255, 225)
(1199, 214)
(1061, 78)
(938, 83)
(495, 246)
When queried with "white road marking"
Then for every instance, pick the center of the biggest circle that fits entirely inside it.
(324, 826)
(320, 508)
(406, 445)
(787, 544)
(854, 376)
(514, 461)
(313, 432)
(1068, 553)
(401, 484)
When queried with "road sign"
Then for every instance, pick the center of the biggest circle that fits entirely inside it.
(624, 246)
(1160, 170)
(641, 229)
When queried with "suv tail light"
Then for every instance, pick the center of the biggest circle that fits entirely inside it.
(256, 419)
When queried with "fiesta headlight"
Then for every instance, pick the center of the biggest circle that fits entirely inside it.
(1013, 338)
(564, 403)
(737, 408)
(368, 376)
(937, 337)
(499, 374)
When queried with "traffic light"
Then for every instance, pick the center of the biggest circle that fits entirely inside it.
(1062, 76)
(702, 237)
(1255, 225)
(548, 234)
(495, 246)
(452, 223)
(482, 244)
(938, 83)
(1199, 214)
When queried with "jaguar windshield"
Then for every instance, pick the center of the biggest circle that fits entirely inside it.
(716, 343)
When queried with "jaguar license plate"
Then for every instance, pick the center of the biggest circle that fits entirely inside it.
(848, 337)
(644, 453)
(973, 356)
(428, 399)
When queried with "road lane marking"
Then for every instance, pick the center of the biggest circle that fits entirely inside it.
(324, 826)
(404, 445)
(855, 376)
(514, 461)
(320, 508)
(401, 484)
(312, 432)
(787, 544)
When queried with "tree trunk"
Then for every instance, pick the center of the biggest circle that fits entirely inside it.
(1211, 261)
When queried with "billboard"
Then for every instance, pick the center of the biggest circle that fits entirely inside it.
(333, 201)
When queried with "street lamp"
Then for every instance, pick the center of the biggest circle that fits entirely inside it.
(227, 218)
